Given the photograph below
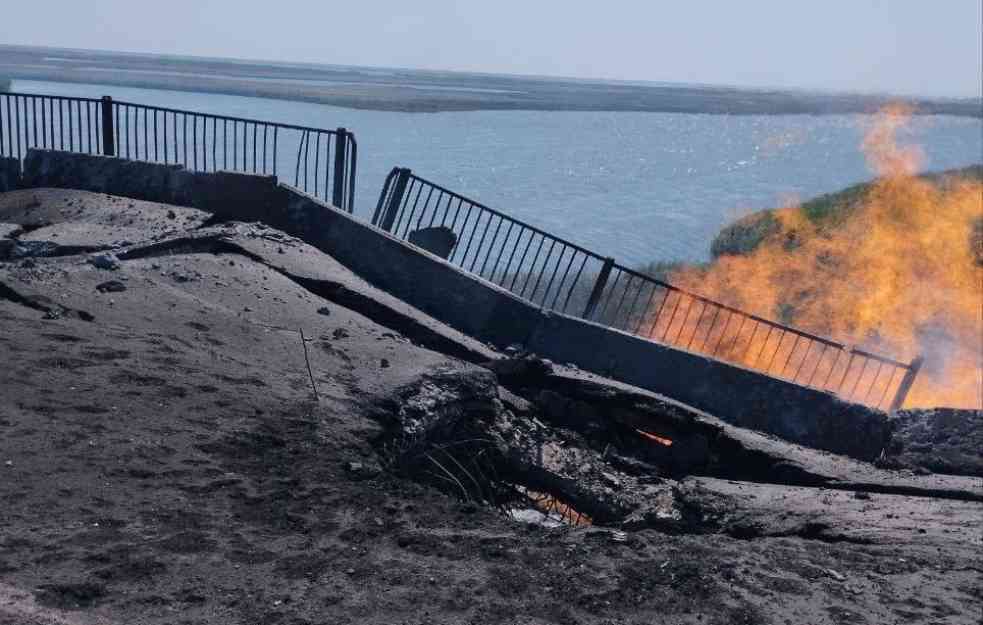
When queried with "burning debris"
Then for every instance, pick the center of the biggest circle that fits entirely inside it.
(897, 270)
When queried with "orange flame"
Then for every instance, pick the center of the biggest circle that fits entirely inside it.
(901, 273)
(655, 438)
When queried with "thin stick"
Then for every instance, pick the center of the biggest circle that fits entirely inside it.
(464, 491)
(307, 359)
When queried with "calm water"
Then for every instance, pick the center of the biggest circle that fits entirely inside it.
(636, 186)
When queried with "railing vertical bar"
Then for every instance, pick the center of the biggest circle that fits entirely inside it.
(464, 228)
(556, 270)
(403, 208)
(887, 388)
(34, 120)
(436, 208)
(675, 307)
(4, 99)
(163, 137)
(532, 266)
(648, 306)
(763, 345)
(906, 383)
(819, 363)
(778, 348)
(634, 302)
(610, 296)
(19, 155)
(522, 259)
(574, 283)
(457, 213)
(804, 359)
(836, 360)
(696, 327)
(723, 333)
(682, 324)
(859, 377)
(71, 127)
(411, 212)
(266, 130)
(542, 271)
(423, 210)
(621, 302)
(317, 160)
(515, 248)
(873, 383)
(713, 322)
(791, 352)
(563, 279)
(394, 209)
(846, 372)
(481, 242)
(215, 144)
(491, 246)
(737, 337)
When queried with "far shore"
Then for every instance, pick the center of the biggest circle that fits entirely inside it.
(417, 91)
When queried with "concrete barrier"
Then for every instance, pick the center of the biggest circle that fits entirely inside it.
(228, 195)
(481, 309)
(10, 177)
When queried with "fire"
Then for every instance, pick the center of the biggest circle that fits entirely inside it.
(655, 438)
(900, 275)
(550, 505)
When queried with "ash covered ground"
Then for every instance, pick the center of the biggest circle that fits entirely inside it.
(217, 423)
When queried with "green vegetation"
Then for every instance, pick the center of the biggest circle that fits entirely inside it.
(745, 234)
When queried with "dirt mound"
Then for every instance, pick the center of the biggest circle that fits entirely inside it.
(242, 431)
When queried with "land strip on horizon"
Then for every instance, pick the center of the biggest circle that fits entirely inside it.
(409, 90)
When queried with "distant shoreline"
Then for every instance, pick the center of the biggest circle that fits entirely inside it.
(412, 91)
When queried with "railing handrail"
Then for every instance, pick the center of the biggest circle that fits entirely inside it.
(246, 120)
(50, 95)
(510, 218)
(343, 144)
(391, 205)
(670, 287)
(770, 322)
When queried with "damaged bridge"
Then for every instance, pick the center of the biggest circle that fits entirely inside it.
(194, 397)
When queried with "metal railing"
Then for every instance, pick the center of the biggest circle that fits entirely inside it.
(559, 275)
(533, 264)
(320, 162)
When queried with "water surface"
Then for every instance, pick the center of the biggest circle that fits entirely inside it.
(635, 186)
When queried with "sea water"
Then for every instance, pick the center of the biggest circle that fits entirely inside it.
(640, 187)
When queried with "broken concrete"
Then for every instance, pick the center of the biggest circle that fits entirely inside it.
(10, 174)
(438, 240)
(484, 311)
(169, 459)
(938, 440)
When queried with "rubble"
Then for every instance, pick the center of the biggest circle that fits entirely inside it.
(185, 472)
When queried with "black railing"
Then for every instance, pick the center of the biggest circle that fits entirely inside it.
(517, 256)
(560, 275)
(320, 162)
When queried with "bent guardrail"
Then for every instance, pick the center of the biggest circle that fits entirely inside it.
(560, 275)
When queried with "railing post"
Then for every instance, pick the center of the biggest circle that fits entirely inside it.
(108, 136)
(340, 155)
(599, 284)
(396, 199)
(906, 383)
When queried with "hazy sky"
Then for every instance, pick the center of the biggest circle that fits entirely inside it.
(930, 47)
